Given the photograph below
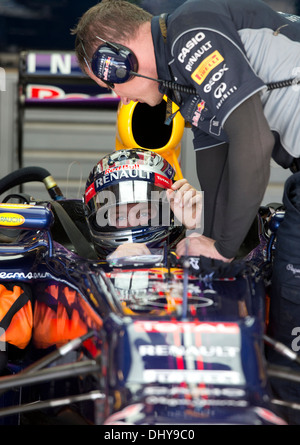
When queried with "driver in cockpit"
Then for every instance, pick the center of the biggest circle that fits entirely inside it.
(133, 205)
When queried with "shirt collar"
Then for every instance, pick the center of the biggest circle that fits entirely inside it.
(160, 49)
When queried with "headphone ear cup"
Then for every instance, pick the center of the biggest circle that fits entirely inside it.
(121, 72)
(114, 64)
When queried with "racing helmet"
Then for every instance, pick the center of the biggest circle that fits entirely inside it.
(125, 201)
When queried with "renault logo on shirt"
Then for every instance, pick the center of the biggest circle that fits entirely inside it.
(205, 67)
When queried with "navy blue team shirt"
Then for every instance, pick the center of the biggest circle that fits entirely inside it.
(230, 50)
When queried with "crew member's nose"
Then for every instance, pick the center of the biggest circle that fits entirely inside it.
(125, 100)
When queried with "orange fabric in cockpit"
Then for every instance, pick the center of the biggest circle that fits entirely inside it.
(19, 330)
(61, 322)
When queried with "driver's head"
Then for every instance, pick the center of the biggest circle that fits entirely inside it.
(125, 201)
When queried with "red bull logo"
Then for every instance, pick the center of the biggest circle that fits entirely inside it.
(106, 68)
(197, 114)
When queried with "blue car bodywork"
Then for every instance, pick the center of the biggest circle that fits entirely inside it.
(154, 340)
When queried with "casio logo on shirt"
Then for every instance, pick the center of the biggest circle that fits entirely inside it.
(190, 44)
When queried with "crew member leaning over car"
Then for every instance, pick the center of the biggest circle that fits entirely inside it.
(241, 58)
(215, 59)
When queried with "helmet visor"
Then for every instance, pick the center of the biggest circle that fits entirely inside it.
(131, 204)
(132, 214)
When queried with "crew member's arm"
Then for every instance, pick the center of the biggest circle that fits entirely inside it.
(246, 176)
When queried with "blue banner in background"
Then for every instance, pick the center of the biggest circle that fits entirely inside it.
(56, 76)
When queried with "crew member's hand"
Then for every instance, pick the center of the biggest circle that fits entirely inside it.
(196, 245)
(130, 249)
(186, 203)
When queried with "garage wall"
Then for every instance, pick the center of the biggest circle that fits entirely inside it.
(8, 122)
(68, 143)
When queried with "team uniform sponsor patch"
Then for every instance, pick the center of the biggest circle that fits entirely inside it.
(205, 67)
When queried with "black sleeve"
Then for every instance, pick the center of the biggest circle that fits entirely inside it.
(212, 174)
(234, 180)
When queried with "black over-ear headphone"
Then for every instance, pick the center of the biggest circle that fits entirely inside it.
(114, 63)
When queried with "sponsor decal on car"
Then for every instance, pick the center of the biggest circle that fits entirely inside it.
(11, 219)
(195, 326)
